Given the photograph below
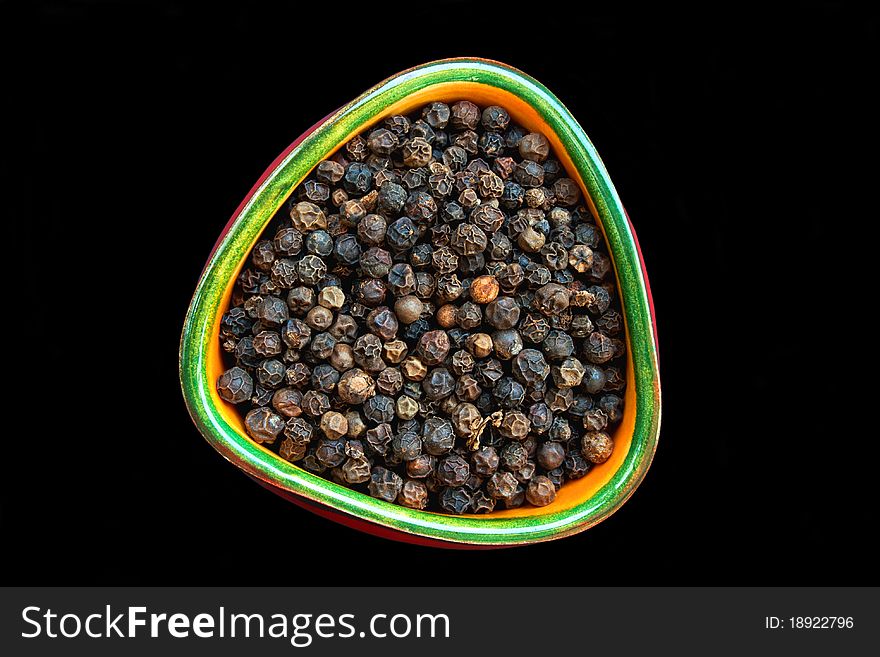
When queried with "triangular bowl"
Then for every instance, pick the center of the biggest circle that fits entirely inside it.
(580, 504)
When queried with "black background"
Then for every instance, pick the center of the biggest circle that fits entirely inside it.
(143, 125)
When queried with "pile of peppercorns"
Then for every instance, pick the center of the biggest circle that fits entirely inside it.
(434, 320)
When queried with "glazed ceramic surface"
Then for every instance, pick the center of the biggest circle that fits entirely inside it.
(580, 504)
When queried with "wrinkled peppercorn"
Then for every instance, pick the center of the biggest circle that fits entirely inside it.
(263, 425)
(540, 491)
(235, 385)
(596, 446)
(385, 484)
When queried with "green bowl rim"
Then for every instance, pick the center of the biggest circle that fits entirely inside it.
(261, 206)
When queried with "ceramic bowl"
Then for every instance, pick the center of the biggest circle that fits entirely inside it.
(580, 504)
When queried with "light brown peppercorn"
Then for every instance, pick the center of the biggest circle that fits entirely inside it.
(263, 425)
(394, 351)
(355, 470)
(331, 297)
(319, 318)
(469, 198)
(416, 152)
(534, 146)
(466, 420)
(530, 240)
(413, 494)
(408, 309)
(535, 197)
(515, 425)
(484, 289)
(287, 402)
(355, 386)
(307, 217)
(293, 450)
(342, 357)
(580, 256)
(479, 344)
(413, 368)
(581, 299)
(595, 420)
(334, 425)
(338, 197)
(407, 407)
(467, 389)
(353, 211)
(462, 362)
(596, 446)
(329, 171)
(447, 315)
(370, 199)
(569, 374)
(356, 425)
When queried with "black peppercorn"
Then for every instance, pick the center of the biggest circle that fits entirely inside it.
(406, 445)
(558, 399)
(272, 311)
(439, 383)
(614, 380)
(455, 500)
(540, 418)
(315, 404)
(270, 373)
(324, 378)
(529, 174)
(433, 347)
(507, 343)
(415, 330)
(503, 312)
(501, 485)
(436, 115)
(379, 409)
(598, 348)
(385, 484)
(382, 141)
(402, 234)
(422, 466)
(322, 346)
(288, 402)
(453, 470)
(297, 374)
(235, 385)
(580, 405)
(263, 425)
(557, 346)
(437, 436)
